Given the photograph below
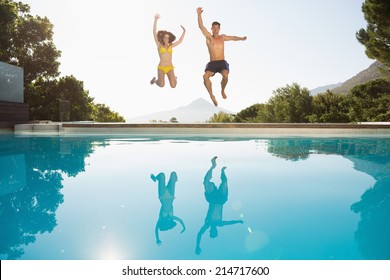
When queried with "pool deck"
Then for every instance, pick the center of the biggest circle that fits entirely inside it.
(215, 129)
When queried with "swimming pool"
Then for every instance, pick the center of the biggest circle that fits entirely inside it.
(93, 197)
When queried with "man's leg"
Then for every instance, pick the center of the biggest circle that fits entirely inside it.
(225, 78)
(224, 186)
(207, 83)
(208, 185)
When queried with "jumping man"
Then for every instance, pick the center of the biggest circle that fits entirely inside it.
(216, 46)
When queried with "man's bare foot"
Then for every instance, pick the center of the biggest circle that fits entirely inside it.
(214, 100)
(223, 95)
(153, 81)
(213, 161)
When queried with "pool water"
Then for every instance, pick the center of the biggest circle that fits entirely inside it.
(92, 197)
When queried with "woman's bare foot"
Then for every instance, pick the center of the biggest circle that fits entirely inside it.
(223, 95)
(153, 81)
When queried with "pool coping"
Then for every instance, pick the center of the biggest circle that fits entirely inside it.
(218, 129)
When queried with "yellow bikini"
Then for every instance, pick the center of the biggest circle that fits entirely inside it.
(164, 50)
(165, 69)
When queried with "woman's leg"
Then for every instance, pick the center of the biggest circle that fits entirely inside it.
(160, 78)
(208, 185)
(160, 178)
(172, 183)
(172, 79)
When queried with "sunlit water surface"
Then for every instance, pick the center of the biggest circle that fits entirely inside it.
(288, 198)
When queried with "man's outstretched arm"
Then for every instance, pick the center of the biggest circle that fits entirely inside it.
(232, 222)
(200, 23)
(234, 38)
(198, 250)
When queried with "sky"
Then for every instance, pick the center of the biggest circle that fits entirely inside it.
(109, 45)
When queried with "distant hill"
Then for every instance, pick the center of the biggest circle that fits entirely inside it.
(371, 73)
(323, 89)
(198, 111)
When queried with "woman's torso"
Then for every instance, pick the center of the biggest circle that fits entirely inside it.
(165, 55)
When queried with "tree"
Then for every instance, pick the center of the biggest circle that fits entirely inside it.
(8, 18)
(266, 114)
(290, 104)
(44, 98)
(329, 107)
(40, 97)
(221, 117)
(72, 90)
(249, 114)
(103, 113)
(27, 41)
(370, 102)
(173, 120)
(376, 38)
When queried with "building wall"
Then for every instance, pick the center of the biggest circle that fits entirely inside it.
(13, 110)
(11, 83)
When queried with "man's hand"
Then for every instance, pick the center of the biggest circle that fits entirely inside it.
(199, 10)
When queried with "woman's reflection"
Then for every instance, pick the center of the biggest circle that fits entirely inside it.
(166, 195)
(216, 197)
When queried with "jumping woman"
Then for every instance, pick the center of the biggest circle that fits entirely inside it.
(165, 43)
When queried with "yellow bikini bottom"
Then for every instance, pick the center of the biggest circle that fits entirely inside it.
(165, 69)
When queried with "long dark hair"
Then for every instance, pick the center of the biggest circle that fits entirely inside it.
(166, 224)
(162, 33)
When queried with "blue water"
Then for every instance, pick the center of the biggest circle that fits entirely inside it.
(79, 197)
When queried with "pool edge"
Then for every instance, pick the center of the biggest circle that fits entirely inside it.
(217, 129)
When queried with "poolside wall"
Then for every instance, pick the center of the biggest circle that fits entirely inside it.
(207, 130)
(12, 108)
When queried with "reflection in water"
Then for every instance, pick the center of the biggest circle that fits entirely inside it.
(33, 171)
(30, 185)
(216, 197)
(373, 232)
(370, 157)
(166, 195)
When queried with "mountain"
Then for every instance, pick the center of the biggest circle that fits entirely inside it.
(323, 89)
(371, 73)
(198, 111)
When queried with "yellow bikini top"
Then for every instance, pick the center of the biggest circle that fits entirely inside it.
(163, 50)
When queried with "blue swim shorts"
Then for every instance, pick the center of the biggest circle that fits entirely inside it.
(217, 66)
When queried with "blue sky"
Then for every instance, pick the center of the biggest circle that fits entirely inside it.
(109, 46)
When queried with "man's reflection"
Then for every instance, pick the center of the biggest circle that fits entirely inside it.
(166, 195)
(216, 197)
